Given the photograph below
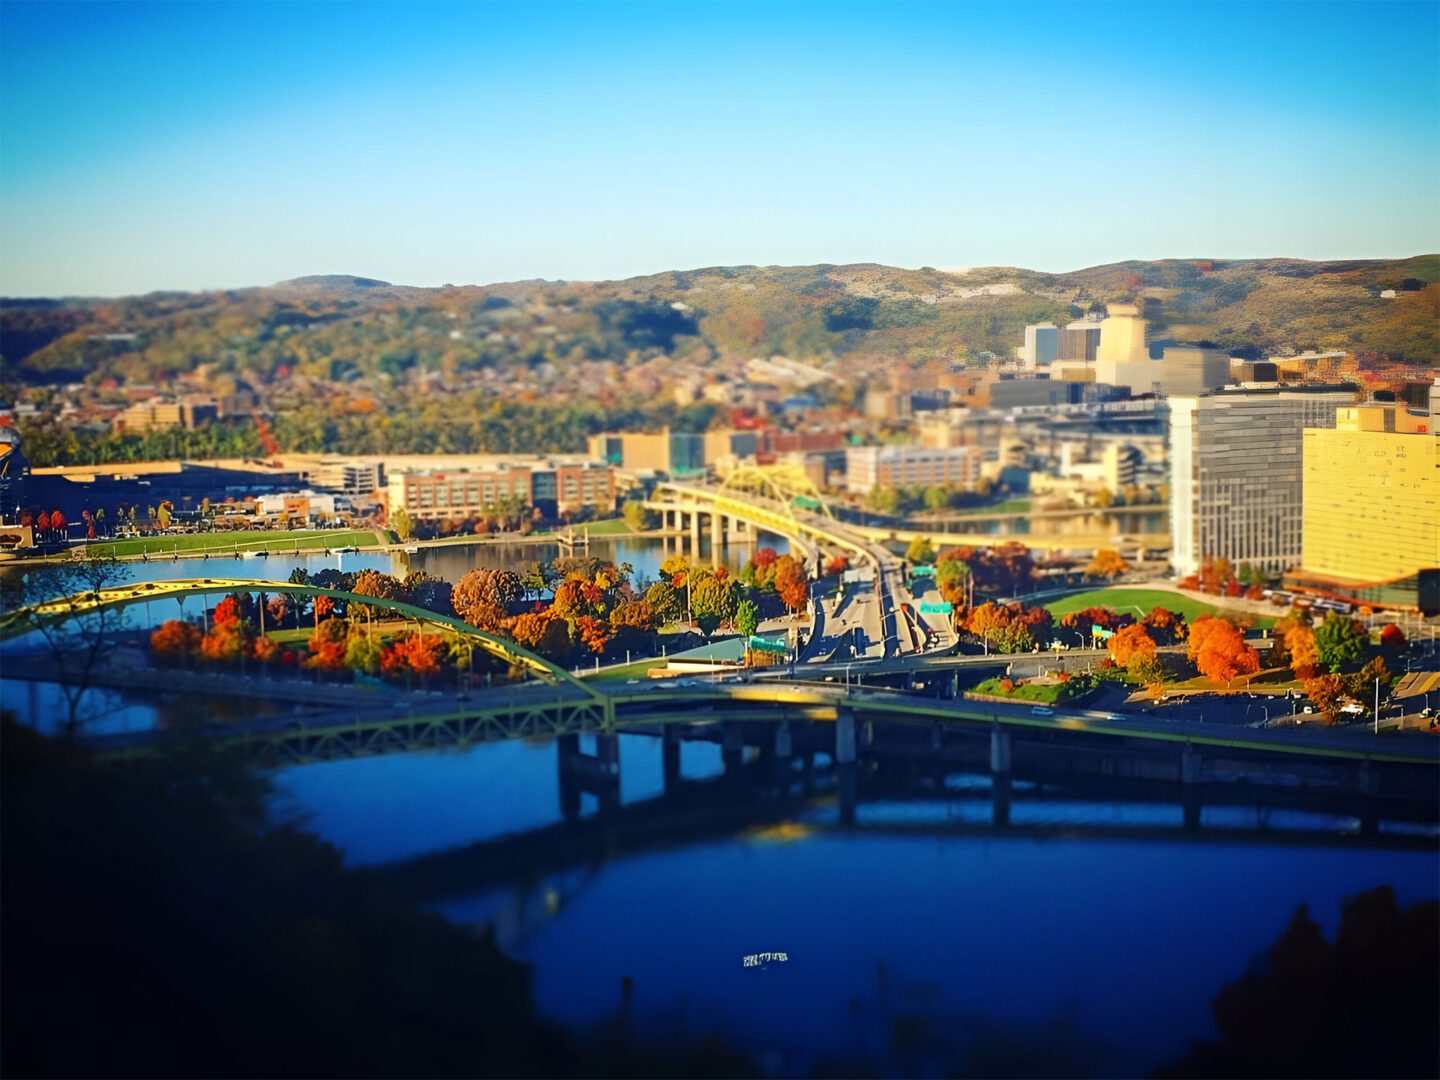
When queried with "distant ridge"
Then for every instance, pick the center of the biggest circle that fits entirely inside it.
(336, 281)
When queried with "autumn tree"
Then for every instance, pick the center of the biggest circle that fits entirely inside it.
(1107, 564)
(1165, 626)
(1362, 683)
(1392, 637)
(381, 586)
(1325, 692)
(328, 645)
(837, 565)
(634, 615)
(1149, 670)
(543, 633)
(1130, 643)
(1218, 649)
(482, 597)
(790, 583)
(665, 602)
(1300, 645)
(592, 633)
(175, 637)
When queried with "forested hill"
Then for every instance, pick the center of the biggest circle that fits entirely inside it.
(344, 328)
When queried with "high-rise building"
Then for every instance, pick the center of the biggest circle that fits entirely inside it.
(1079, 341)
(1042, 345)
(1372, 495)
(1122, 358)
(1235, 458)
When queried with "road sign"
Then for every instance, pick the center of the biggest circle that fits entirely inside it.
(936, 607)
(770, 645)
(922, 571)
(1099, 631)
(850, 577)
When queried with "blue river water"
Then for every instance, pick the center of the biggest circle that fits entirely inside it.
(1106, 949)
(1117, 943)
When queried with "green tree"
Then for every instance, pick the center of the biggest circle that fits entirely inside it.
(920, 551)
(936, 498)
(747, 617)
(712, 597)
(401, 523)
(362, 653)
(1339, 641)
(883, 500)
(637, 517)
(666, 602)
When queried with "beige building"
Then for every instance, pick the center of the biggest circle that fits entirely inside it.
(869, 467)
(555, 486)
(671, 452)
(1372, 495)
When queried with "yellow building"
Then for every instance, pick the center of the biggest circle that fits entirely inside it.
(1371, 496)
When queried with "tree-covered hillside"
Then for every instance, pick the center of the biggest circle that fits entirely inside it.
(341, 328)
(357, 365)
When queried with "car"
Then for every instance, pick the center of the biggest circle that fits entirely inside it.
(1040, 710)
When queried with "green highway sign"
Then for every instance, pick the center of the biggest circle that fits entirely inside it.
(922, 571)
(1099, 631)
(771, 645)
(937, 607)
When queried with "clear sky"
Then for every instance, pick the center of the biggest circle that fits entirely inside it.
(198, 145)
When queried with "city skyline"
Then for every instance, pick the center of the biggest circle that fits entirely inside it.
(190, 147)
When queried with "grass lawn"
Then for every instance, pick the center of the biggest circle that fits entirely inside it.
(637, 670)
(1125, 601)
(609, 527)
(1009, 506)
(221, 542)
(1044, 693)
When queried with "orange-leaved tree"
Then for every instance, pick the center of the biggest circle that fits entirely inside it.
(175, 638)
(1325, 692)
(1107, 564)
(1129, 642)
(1217, 648)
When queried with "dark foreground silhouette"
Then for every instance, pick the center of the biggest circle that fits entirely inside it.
(1366, 1005)
(154, 924)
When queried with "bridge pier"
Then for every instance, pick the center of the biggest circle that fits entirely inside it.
(1190, 766)
(1000, 751)
(845, 737)
(695, 534)
(717, 539)
(732, 745)
(1190, 801)
(599, 774)
(937, 736)
(670, 757)
(1000, 792)
(783, 747)
(847, 785)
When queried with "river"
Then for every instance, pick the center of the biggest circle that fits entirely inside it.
(1102, 949)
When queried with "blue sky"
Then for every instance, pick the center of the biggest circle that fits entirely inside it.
(218, 145)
